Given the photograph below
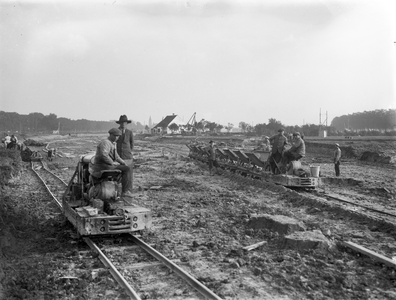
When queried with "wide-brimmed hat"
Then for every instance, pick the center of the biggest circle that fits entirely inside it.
(115, 131)
(338, 145)
(122, 119)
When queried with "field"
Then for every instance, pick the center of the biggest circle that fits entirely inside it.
(203, 223)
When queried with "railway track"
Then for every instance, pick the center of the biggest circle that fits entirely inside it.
(119, 269)
(352, 205)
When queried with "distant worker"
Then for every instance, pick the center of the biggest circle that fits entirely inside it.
(51, 154)
(297, 149)
(336, 158)
(278, 143)
(266, 144)
(212, 158)
(125, 144)
(107, 158)
(7, 140)
(13, 144)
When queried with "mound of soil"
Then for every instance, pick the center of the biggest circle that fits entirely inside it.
(30, 142)
(10, 165)
(379, 152)
(377, 157)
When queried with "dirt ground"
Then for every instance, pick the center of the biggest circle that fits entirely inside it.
(203, 222)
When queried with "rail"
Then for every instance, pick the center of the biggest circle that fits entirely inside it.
(202, 289)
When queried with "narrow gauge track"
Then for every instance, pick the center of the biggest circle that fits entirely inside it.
(54, 184)
(352, 205)
(56, 187)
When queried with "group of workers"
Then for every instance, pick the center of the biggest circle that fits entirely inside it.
(279, 158)
(10, 142)
(115, 153)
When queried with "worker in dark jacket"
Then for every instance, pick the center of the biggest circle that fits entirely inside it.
(278, 143)
(336, 159)
(125, 143)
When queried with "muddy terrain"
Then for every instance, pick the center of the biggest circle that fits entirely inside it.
(205, 224)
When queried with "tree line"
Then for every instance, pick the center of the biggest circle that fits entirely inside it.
(376, 120)
(374, 123)
(39, 123)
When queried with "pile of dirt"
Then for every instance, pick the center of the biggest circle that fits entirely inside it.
(377, 157)
(30, 142)
(379, 152)
(10, 165)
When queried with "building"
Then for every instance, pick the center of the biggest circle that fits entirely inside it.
(162, 127)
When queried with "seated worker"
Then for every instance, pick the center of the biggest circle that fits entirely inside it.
(297, 150)
(107, 158)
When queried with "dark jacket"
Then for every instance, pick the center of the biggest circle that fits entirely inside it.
(125, 144)
(278, 143)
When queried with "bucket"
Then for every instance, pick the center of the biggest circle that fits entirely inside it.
(315, 171)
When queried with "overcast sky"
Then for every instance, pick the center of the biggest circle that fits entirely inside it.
(228, 61)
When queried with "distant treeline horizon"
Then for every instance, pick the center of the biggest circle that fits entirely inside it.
(379, 121)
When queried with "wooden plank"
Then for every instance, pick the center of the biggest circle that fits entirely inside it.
(143, 265)
(254, 246)
(387, 261)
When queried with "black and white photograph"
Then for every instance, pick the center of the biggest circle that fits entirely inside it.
(203, 149)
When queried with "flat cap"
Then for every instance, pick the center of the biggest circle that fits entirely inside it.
(281, 130)
(115, 131)
(296, 133)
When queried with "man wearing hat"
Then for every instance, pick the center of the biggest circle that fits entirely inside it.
(297, 149)
(336, 158)
(278, 142)
(107, 158)
(125, 143)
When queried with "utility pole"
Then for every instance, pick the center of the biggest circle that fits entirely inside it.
(320, 118)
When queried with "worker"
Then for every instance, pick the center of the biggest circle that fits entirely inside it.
(278, 143)
(125, 144)
(107, 158)
(13, 144)
(336, 159)
(212, 158)
(7, 140)
(296, 151)
(266, 144)
(51, 154)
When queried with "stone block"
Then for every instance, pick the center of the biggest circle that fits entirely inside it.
(307, 240)
(278, 223)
